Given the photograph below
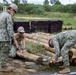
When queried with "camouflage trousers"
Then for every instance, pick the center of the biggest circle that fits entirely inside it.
(4, 51)
(64, 52)
(12, 52)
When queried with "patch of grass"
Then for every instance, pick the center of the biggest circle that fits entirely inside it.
(67, 18)
(35, 48)
(68, 24)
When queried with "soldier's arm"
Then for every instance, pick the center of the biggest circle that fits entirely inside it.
(57, 48)
(10, 26)
(15, 41)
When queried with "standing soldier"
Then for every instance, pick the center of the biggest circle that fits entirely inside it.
(63, 42)
(6, 33)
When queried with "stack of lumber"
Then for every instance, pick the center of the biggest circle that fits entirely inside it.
(41, 39)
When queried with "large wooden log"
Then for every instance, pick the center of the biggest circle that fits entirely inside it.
(37, 38)
(50, 54)
(72, 60)
(42, 33)
(74, 46)
(43, 44)
(31, 57)
(38, 59)
(67, 27)
(74, 51)
(28, 56)
(43, 36)
(46, 36)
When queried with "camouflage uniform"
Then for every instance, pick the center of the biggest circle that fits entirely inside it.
(63, 42)
(6, 32)
(13, 50)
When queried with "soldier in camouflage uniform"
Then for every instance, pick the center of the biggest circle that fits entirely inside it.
(63, 42)
(6, 33)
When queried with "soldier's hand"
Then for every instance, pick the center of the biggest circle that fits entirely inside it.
(20, 51)
(24, 51)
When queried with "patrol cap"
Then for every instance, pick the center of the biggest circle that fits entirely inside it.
(21, 29)
(14, 7)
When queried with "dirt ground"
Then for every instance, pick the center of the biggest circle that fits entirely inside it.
(20, 69)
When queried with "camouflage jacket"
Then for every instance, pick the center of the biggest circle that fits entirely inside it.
(6, 26)
(61, 38)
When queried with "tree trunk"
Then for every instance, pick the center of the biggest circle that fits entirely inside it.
(36, 37)
(74, 51)
(46, 46)
(28, 56)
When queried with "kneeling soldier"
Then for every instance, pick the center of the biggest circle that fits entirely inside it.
(19, 42)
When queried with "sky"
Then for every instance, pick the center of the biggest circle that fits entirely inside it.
(62, 1)
(41, 1)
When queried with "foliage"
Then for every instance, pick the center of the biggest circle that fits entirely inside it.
(41, 9)
(1, 7)
(34, 9)
(53, 1)
(46, 2)
(72, 8)
(22, 8)
(58, 3)
(47, 8)
(24, 1)
(55, 8)
(16, 1)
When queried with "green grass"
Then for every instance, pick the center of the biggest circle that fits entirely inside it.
(67, 18)
(36, 49)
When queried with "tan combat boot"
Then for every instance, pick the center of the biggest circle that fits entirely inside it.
(65, 70)
(61, 67)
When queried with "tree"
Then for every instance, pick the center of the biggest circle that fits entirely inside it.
(58, 3)
(53, 1)
(16, 1)
(24, 1)
(46, 2)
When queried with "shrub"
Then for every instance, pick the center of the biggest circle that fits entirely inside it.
(1, 7)
(47, 8)
(35, 9)
(21, 8)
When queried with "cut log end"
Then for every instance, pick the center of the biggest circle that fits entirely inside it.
(40, 60)
(70, 55)
(73, 62)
